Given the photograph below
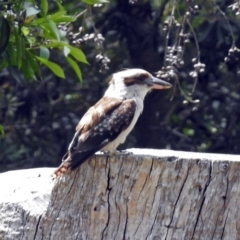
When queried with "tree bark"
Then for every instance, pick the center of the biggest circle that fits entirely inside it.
(152, 194)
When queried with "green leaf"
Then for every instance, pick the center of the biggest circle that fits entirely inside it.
(65, 19)
(4, 34)
(2, 130)
(3, 63)
(52, 27)
(75, 52)
(91, 2)
(32, 62)
(44, 6)
(44, 52)
(39, 21)
(62, 34)
(78, 54)
(19, 47)
(29, 19)
(188, 131)
(31, 11)
(25, 31)
(75, 67)
(58, 17)
(66, 51)
(27, 70)
(11, 54)
(57, 70)
(20, 50)
(31, 40)
(60, 6)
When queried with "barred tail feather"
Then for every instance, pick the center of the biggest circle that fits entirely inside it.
(62, 169)
(72, 161)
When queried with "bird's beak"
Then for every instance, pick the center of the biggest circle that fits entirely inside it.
(156, 83)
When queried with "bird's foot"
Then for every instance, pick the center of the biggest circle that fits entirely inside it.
(118, 153)
(105, 153)
(111, 153)
(114, 153)
(125, 152)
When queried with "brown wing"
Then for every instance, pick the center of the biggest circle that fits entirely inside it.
(100, 125)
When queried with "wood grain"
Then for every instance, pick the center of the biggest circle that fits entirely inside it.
(153, 194)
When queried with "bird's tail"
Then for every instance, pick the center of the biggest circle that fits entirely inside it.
(72, 161)
(64, 167)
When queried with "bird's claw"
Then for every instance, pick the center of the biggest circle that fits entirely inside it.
(115, 153)
(125, 152)
(107, 153)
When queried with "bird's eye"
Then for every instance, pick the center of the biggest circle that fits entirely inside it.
(141, 78)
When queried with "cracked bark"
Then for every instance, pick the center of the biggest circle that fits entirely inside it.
(153, 194)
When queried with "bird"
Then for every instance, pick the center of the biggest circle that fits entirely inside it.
(106, 124)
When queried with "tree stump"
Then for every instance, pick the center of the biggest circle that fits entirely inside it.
(151, 194)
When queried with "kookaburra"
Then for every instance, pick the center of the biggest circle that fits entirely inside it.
(106, 124)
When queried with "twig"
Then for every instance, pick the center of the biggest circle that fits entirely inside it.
(229, 26)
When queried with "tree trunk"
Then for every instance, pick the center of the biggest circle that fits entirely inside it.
(153, 194)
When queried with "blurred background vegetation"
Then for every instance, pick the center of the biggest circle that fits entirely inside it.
(56, 59)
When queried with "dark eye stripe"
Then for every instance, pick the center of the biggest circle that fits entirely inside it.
(129, 81)
(142, 77)
(139, 79)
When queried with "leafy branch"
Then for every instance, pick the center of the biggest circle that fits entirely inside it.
(29, 32)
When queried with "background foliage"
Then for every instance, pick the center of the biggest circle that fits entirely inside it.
(191, 44)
